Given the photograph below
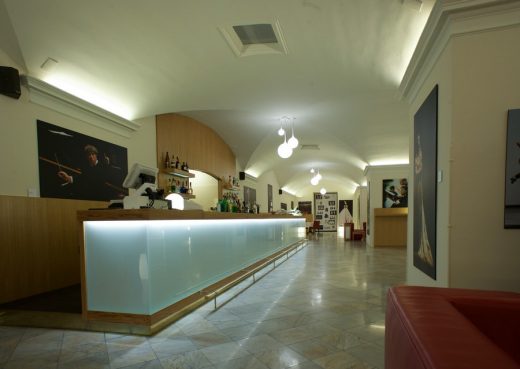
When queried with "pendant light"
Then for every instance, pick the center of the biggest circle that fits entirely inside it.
(284, 150)
(293, 141)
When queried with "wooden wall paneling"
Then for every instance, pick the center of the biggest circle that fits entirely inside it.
(39, 249)
(194, 142)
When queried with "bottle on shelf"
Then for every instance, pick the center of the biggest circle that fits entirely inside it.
(167, 160)
(177, 163)
(190, 190)
(172, 162)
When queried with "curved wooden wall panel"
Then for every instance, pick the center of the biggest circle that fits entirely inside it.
(194, 142)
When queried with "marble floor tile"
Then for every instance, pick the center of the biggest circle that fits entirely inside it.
(259, 343)
(209, 339)
(323, 308)
(313, 348)
(174, 345)
(153, 364)
(98, 360)
(224, 352)
(282, 357)
(131, 356)
(244, 362)
(342, 360)
(190, 360)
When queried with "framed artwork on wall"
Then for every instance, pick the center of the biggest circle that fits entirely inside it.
(425, 186)
(76, 166)
(305, 207)
(326, 210)
(395, 193)
(512, 181)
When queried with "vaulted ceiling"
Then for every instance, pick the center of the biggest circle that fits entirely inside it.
(338, 75)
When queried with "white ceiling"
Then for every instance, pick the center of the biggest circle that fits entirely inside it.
(339, 78)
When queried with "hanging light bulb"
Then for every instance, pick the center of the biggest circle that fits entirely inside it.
(323, 191)
(284, 150)
(319, 176)
(312, 170)
(281, 131)
(293, 141)
(314, 181)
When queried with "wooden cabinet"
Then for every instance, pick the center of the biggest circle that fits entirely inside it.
(390, 226)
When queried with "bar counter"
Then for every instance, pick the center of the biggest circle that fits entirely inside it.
(146, 266)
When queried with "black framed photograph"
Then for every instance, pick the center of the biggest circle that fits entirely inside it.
(512, 181)
(395, 193)
(425, 186)
(76, 166)
(305, 207)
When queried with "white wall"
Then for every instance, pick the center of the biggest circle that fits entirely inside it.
(486, 84)
(478, 80)
(360, 206)
(18, 141)
(205, 189)
(375, 176)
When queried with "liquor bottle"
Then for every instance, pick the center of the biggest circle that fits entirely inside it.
(187, 167)
(172, 162)
(177, 163)
(167, 160)
(183, 165)
(190, 190)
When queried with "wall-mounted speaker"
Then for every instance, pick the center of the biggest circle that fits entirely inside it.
(241, 175)
(10, 82)
(280, 191)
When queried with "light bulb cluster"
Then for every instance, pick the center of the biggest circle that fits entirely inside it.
(285, 150)
(315, 180)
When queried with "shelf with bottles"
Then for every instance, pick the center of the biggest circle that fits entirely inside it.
(173, 166)
(231, 188)
(180, 186)
(231, 185)
(178, 173)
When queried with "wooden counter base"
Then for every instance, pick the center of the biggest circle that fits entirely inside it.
(390, 228)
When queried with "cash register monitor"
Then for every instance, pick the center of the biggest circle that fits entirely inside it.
(140, 177)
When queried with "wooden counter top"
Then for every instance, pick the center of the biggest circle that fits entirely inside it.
(391, 212)
(159, 214)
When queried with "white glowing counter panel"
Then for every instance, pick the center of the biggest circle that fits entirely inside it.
(142, 261)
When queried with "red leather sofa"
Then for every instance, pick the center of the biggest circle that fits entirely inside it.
(448, 328)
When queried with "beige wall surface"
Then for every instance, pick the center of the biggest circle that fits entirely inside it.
(486, 84)
(478, 80)
(441, 74)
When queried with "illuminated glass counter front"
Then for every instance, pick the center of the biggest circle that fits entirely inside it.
(142, 261)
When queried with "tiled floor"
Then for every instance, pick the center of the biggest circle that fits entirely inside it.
(323, 308)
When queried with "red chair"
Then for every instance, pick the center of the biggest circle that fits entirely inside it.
(358, 234)
(316, 226)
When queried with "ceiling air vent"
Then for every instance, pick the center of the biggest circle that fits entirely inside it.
(254, 39)
(256, 34)
(309, 147)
